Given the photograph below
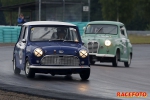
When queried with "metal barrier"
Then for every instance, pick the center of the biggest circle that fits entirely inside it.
(10, 34)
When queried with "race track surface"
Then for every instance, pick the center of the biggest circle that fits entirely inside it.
(104, 83)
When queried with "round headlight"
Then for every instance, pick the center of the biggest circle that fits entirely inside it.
(38, 52)
(83, 53)
(107, 42)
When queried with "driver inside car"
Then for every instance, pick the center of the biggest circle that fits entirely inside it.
(61, 34)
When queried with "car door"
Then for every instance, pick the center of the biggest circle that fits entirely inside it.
(124, 43)
(20, 47)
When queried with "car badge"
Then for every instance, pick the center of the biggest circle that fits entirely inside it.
(61, 51)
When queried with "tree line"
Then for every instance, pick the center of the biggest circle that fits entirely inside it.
(134, 14)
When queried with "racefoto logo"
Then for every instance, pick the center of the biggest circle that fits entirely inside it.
(131, 94)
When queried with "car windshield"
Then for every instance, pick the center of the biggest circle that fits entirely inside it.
(101, 29)
(54, 33)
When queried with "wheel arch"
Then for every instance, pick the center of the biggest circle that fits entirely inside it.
(131, 54)
(118, 51)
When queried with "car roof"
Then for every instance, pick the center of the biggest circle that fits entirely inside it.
(48, 23)
(106, 22)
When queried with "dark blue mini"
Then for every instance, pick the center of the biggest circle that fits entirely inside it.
(50, 47)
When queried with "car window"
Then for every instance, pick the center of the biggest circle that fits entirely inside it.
(49, 33)
(73, 35)
(22, 33)
(123, 31)
(101, 29)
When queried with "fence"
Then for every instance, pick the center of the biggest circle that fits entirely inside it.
(10, 34)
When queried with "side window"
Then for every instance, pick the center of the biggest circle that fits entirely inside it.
(26, 33)
(73, 35)
(123, 31)
(22, 35)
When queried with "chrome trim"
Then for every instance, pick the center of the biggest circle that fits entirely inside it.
(61, 55)
(102, 55)
(92, 53)
(92, 41)
(57, 67)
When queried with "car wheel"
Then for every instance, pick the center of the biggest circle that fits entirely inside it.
(127, 64)
(28, 71)
(85, 74)
(16, 70)
(115, 60)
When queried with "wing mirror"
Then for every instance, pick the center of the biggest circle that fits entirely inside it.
(122, 29)
(24, 40)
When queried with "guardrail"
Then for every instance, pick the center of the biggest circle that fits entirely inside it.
(145, 33)
(10, 34)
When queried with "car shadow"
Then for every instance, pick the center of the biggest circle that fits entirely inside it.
(104, 65)
(56, 78)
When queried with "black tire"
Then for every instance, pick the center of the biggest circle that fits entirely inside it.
(127, 64)
(85, 74)
(16, 69)
(115, 60)
(28, 71)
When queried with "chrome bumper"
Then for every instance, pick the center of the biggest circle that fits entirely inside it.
(58, 67)
(102, 55)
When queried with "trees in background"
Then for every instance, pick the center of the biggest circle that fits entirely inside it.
(14, 14)
(2, 18)
(118, 10)
(134, 13)
(96, 13)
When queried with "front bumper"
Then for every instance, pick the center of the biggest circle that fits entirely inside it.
(59, 67)
(60, 70)
(102, 55)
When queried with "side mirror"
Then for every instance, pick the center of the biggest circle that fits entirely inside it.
(24, 40)
(122, 29)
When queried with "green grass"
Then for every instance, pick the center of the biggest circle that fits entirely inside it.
(139, 39)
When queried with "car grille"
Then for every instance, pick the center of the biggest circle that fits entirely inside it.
(60, 60)
(93, 47)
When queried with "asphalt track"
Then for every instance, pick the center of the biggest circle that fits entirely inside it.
(104, 83)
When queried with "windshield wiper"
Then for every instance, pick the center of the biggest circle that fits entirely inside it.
(99, 29)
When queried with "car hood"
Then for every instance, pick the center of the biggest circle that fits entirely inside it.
(68, 48)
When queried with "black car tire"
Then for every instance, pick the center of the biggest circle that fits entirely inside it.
(16, 69)
(115, 60)
(127, 64)
(28, 71)
(85, 74)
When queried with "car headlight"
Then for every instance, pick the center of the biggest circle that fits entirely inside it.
(83, 53)
(38, 52)
(107, 42)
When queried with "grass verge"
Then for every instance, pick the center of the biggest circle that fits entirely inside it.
(139, 39)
